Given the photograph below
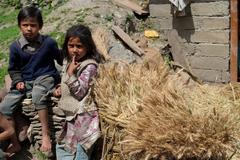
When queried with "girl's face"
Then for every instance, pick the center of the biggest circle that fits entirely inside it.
(30, 28)
(76, 48)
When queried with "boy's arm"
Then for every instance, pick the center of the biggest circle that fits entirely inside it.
(8, 130)
(14, 68)
(57, 53)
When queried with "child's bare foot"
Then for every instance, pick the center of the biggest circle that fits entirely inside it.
(46, 144)
(7, 156)
(21, 127)
(13, 148)
(22, 135)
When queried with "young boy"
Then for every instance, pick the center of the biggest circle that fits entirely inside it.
(33, 72)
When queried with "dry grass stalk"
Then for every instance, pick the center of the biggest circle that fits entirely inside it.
(232, 91)
(100, 37)
(158, 118)
(199, 124)
(120, 86)
(118, 90)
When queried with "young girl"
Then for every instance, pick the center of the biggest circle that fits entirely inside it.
(81, 129)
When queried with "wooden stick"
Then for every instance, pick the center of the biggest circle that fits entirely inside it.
(127, 40)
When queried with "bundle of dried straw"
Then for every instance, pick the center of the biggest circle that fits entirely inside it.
(145, 116)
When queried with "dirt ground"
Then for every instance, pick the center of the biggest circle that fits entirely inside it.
(25, 153)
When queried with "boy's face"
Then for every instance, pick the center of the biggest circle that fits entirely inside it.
(30, 28)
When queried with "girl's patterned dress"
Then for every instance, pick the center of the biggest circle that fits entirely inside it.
(82, 125)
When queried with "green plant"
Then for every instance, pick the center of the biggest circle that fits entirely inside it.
(3, 56)
(58, 36)
(8, 33)
(143, 25)
(108, 18)
(3, 72)
(9, 17)
(15, 3)
(97, 15)
(82, 14)
(129, 17)
(38, 155)
(8, 30)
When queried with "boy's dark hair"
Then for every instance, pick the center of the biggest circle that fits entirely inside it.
(84, 34)
(30, 12)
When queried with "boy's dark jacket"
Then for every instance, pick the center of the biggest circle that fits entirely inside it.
(26, 67)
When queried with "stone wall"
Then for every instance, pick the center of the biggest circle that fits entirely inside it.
(204, 31)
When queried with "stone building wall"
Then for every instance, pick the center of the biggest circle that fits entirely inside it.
(203, 34)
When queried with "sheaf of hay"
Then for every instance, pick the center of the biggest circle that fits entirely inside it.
(198, 124)
(100, 37)
(120, 86)
(159, 120)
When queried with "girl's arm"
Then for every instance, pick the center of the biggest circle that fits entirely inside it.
(56, 92)
(79, 87)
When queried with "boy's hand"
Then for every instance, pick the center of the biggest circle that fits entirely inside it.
(20, 86)
(72, 67)
(57, 92)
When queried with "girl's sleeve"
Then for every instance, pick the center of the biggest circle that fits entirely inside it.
(79, 86)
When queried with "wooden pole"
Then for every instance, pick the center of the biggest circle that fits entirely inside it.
(234, 40)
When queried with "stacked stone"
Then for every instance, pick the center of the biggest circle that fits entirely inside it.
(56, 120)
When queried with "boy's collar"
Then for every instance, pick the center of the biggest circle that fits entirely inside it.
(23, 41)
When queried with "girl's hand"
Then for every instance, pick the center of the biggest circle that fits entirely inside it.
(20, 86)
(57, 92)
(72, 67)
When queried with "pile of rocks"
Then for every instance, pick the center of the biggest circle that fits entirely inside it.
(56, 120)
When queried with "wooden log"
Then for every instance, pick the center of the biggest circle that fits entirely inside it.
(234, 41)
(127, 40)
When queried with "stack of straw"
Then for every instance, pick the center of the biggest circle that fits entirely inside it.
(146, 116)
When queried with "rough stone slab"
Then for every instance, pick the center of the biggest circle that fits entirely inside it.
(215, 63)
(211, 50)
(200, 1)
(164, 34)
(192, 1)
(217, 8)
(161, 23)
(226, 77)
(198, 23)
(130, 5)
(158, 1)
(163, 10)
(201, 23)
(217, 37)
(208, 75)
(178, 49)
